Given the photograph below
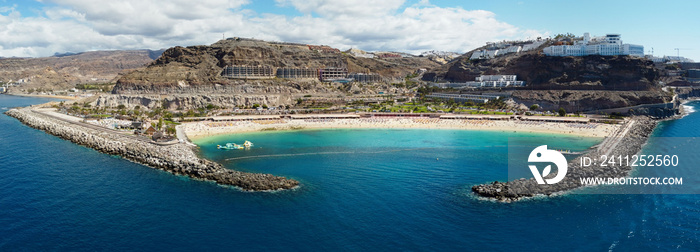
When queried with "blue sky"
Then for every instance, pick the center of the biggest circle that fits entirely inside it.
(41, 28)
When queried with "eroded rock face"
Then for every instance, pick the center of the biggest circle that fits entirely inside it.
(177, 159)
(580, 100)
(562, 73)
(242, 94)
(686, 93)
(197, 69)
(186, 102)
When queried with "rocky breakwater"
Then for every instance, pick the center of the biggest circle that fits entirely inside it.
(627, 141)
(177, 159)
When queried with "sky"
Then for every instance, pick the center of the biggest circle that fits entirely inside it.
(38, 28)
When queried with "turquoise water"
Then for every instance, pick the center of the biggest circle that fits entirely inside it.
(361, 190)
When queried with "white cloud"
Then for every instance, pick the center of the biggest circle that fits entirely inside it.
(147, 17)
(60, 13)
(77, 25)
(354, 8)
(417, 28)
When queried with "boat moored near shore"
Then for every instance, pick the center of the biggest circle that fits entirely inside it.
(234, 146)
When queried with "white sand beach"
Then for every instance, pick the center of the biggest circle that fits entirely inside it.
(64, 97)
(195, 130)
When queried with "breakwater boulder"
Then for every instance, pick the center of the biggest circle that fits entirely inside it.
(627, 141)
(177, 159)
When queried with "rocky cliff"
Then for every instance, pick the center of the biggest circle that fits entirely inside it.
(238, 93)
(197, 69)
(191, 101)
(688, 93)
(582, 101)
(564, 73)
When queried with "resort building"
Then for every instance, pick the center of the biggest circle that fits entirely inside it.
(693, 75)
(499, 49)
(248, 72)
(463, 97)
(297, 73)
(690, 65)
(484, 54)
(331, 74)
(532, 46)
(365, 77)
(610, 45)
(676, 59)
(487, 81)
(497, 81)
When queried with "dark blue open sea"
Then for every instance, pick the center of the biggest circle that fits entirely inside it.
(362, 190)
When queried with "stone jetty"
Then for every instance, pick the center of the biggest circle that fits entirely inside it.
(177, 158)
(627, 141)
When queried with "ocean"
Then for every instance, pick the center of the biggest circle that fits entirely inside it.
(369, 190)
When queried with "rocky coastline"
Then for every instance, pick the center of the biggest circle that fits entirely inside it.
(177, 159)
(627, 141)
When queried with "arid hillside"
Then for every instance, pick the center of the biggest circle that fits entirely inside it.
(542, 72)
(198, 67)
(63, 72)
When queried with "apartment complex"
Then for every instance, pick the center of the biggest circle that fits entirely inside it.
(499, 49)
(461, 98)
(296, 73)
(487, 81)
(248, 72)
(610, 45)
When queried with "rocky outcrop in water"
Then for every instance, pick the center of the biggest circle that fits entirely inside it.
(177, 159)
(627, 142)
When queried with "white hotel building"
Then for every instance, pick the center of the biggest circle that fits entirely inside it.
(487, 81)
(610, 45)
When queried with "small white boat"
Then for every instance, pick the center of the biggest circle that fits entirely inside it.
(234, 146)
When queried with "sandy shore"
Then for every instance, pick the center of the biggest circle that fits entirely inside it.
(48, 96)
(196, 130)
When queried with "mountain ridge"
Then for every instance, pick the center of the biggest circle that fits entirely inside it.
(184, 67)
(65, 71)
